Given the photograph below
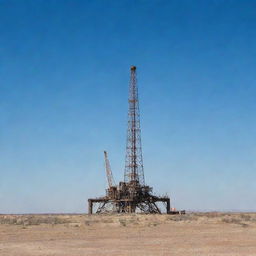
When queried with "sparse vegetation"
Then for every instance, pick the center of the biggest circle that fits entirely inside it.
(109, 220)
(246, 217)
(239, 219)
(243, 219)
(231, 220)
(186, 217)
(122, 222)
(210, 232)
(32, 220)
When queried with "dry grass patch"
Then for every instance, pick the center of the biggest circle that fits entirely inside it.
(185, 217)
(32, 220)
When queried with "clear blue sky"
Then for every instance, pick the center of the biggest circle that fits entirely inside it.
(64, 72)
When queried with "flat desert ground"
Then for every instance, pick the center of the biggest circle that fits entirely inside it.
(206, 234)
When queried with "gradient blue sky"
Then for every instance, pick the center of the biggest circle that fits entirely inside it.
(64, 72)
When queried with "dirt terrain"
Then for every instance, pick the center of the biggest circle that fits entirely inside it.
(206, 234)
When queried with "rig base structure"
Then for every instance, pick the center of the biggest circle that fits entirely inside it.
(130, 198)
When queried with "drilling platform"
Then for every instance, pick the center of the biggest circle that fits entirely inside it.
(130, 195)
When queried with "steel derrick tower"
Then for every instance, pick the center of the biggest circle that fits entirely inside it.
(134, 171)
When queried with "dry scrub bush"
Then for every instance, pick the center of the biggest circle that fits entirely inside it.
(122, 222)
(91, 222)
(231, 220)
(245, 217)
(186, 217)
(234, 221)
(107, 220)
(134, 221)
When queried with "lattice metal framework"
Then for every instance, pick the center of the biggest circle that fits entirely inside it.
(134, 171)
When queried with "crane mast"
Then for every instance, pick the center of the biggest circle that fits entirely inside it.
(109, 174)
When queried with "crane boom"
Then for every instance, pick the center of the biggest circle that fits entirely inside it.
(109, 174)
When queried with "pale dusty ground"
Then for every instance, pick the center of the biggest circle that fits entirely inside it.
(72, 235)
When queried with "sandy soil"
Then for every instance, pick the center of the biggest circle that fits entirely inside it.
(194, 234)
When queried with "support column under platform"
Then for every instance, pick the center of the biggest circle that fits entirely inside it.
(92, 201)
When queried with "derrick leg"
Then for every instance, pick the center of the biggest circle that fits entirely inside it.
(168, 206)
(90, 206)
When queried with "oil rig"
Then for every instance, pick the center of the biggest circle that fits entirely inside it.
(130, 195)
